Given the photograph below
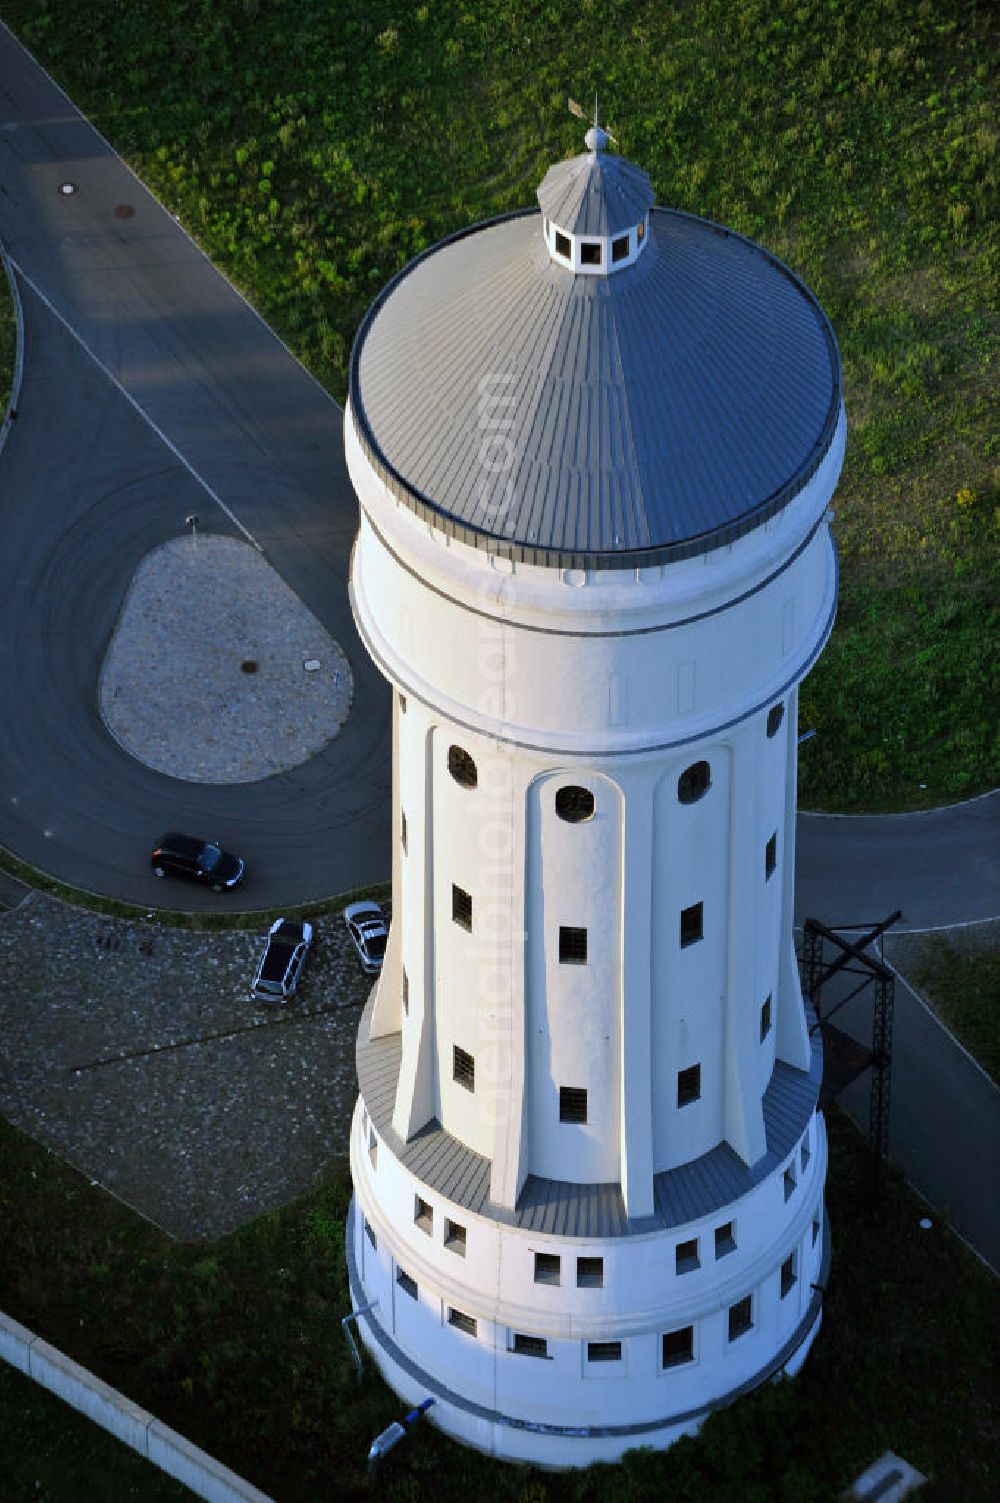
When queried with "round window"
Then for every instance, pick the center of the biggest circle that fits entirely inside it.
(694, 782)
(574, 804)
(462, 767)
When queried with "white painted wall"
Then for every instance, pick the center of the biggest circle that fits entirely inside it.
(617, 681)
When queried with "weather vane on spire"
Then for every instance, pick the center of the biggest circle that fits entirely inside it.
(598, 136)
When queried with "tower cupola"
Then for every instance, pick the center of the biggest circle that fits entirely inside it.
(595, 209)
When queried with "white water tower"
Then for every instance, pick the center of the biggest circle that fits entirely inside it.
(594, 450)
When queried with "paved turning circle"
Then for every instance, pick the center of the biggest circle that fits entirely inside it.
(217, 673)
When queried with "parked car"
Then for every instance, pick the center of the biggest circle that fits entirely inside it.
(280, 966)
(367, 927)
(197, 861)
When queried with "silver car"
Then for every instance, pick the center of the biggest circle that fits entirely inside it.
(367, 927)
(280, 966)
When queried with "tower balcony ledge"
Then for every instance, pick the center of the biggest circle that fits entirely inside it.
(562, 1208)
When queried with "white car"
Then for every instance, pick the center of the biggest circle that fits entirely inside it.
(367, 927)
(280, 966)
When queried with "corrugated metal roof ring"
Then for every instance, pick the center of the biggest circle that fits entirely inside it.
(556, 558)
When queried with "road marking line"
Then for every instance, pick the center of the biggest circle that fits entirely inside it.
(991, 918)
(932, 1012)
(136, 407)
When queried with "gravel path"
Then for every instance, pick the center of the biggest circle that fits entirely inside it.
(206, 678)
(134, 1052)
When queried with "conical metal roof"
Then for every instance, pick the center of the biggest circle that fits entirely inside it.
(595, 422)
(595, 194)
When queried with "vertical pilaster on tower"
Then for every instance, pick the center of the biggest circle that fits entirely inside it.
(587, 1126)
(636, 1070)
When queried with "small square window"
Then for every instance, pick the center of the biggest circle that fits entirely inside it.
(408, 1285)
(604, 1351)
(590, 253)
(461, 907)
(725, 1239)
(547, 1267)
(688, 1085)
(463, 1068)
(692, 924)
(572, 946)
(562, 245)
(805, 1156)
(619, 248)
(765, 1018)
(572, 1104)
(373, 1148)
(687, 1259)
(530, 1346)
(402, 704)
(423, 1216)
(370, 1234)
(454, 1237)
(640, 232)
(788, 1275)
(789, 1182)
(462, 1322)
(406, 991)
(775, 716)
(590, 1273)
(678, 1347)
(770, 857)
(815, 1230)
(740, 1318)
(402, 829)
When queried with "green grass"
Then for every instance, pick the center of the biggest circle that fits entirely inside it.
(8, 342)
(313, 149)
(50, 1454)
(238, 1345)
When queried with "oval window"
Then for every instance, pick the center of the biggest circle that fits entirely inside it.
(574, 804)
(775, 716)
(694, 782)
(462, 767)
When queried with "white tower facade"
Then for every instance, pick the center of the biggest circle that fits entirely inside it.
(594, 454)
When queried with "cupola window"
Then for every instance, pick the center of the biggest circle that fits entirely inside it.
(562, 245)
(619, 248)
(590, 253)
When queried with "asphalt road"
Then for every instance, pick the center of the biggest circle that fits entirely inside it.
(152, 390)
(941, 866)
(944, 1113)
(127, 325)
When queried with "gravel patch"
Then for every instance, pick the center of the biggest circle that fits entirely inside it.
(206, 679)
(134, 1051)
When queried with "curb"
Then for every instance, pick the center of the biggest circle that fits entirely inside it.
(15, 385)
(135, 1427)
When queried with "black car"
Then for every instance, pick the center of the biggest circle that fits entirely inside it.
(197, 861)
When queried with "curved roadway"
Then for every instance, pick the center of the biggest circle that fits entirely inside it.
(127, 325)
(152, 390)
